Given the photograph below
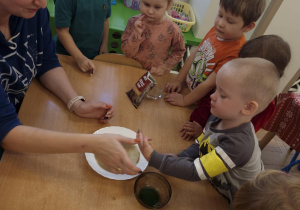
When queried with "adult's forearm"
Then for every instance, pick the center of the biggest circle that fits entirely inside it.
(34, 140)
(58, 83)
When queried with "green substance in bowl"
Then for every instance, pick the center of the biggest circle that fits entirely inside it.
(149, 196)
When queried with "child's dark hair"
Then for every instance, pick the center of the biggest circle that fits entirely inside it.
(269, 47)
(249, 10)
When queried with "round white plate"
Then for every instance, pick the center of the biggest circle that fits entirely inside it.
(90, 157)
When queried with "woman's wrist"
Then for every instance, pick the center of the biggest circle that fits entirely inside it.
(75, 102)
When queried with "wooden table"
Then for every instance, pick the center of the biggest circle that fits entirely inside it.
(66, 181)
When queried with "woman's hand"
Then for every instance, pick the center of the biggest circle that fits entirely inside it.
(94, 109)
(113, 155)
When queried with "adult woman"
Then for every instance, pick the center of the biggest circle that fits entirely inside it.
(27, 51)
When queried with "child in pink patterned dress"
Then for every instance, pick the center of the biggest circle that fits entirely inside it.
(150, 36)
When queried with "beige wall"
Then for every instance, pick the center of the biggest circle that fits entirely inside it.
(285, 24)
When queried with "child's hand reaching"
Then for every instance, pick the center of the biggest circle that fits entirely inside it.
(175, 99)
(144, 145)
(139, 25)
(173, 87)
(86, 65)
(191, 130)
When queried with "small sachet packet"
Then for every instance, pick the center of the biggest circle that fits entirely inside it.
(141, 89)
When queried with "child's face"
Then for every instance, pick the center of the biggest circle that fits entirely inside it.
(228, 26)
(154, 9)
(226, 101)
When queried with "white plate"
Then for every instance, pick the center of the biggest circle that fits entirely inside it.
(90, 157)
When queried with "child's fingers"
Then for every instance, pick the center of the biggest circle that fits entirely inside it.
(146, 142)
(196, 123)
(187, 123)
(139, 21)
(185, 136)
(188, 137)
(190, 133)
(91, 66)
(142, 17)
(188, 128)
(183, 133)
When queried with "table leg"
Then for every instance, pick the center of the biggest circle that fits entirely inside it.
(266, 139)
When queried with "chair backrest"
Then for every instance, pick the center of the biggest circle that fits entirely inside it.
(118, 59)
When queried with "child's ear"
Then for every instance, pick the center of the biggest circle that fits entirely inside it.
(250, 108)
(249, 27)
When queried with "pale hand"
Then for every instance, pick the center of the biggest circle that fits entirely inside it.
(175, 99)
(173, 87)
(103, 49)
(114, 156)
(94, 109)
(145, 146)
(85, 65)
(139, 25)
(191, 130)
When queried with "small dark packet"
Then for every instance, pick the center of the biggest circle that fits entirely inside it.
(141, 89)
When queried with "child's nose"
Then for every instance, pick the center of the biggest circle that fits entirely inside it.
(40, 3)
(221, 22)
(150, 11)
(213, 96)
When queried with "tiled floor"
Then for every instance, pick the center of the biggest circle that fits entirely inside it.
(277, 153)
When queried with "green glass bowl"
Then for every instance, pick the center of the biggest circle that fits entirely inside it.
(152, 190)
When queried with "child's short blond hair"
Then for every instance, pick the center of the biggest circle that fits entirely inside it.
(249, 10)
(269, 190)
(257, 78)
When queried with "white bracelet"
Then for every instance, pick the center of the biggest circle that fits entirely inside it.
(73, 100)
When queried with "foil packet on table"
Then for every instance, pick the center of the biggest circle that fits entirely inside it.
(141, 89)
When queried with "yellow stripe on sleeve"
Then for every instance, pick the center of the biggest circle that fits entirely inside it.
(199, 139)
(212, 164)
